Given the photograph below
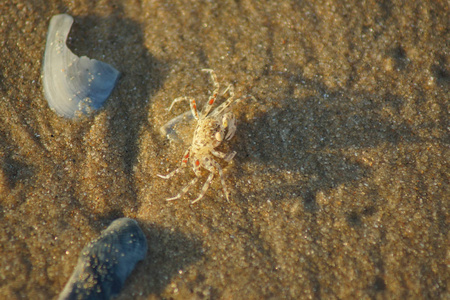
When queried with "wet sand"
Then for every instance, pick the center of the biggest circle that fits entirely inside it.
(340, 185)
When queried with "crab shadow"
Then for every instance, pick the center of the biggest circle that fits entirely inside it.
(313, 137)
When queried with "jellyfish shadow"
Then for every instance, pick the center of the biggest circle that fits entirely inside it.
(119, 41)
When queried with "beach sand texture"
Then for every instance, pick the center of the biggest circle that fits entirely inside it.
(340, 185)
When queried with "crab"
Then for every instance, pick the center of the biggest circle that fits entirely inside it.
(213, 127)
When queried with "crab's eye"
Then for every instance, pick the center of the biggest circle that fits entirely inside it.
(219, 136)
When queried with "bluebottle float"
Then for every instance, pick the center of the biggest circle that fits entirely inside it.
(73, 85)
(106, 262)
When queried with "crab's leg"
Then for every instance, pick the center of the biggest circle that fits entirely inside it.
(183, 164)
(212, 168)
(219, 110)
(229, 122)
(229, 101)
(229, 89)
(225, 156)
(184, 190)
(191, 103)
(208, 106)
(170, 174)
(225, 104)
(176, 100)
(194, 108)
(222, 179)
(205, 187)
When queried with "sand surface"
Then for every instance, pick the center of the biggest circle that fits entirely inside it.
(340, 185)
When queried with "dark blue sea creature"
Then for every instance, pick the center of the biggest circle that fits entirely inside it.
(106, 262)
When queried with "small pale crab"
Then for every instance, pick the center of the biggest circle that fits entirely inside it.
(213, 127)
